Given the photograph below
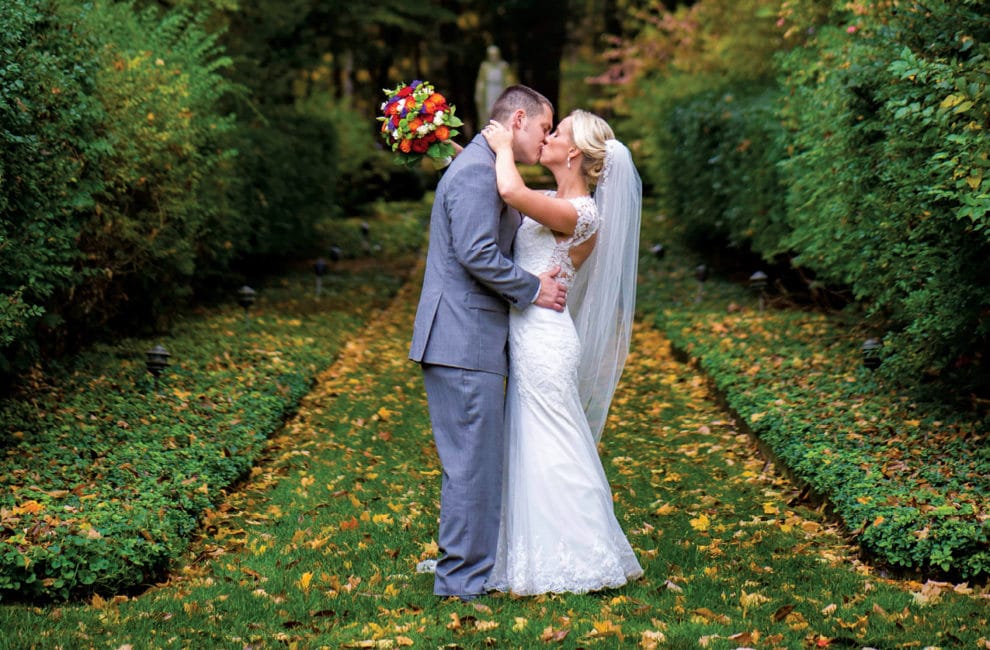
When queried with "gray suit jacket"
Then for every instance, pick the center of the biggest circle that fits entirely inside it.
(463, 315)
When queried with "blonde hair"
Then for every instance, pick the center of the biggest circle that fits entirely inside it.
(590, 133)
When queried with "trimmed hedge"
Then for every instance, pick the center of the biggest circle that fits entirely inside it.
(104, 474)
(910, 480)
(863, 165)
(112, 166)
(888, 115)
(126, 184)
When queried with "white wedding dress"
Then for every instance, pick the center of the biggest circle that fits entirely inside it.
(558, 531)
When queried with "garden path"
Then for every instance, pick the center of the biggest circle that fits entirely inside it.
(319, 546)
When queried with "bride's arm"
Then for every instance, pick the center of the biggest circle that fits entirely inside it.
(556, 214)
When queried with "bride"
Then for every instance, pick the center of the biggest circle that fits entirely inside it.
(558, 531)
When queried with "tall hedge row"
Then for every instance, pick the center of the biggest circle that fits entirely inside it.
(126, 179)
(866, 162)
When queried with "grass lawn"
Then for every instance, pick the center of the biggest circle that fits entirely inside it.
(318, 547)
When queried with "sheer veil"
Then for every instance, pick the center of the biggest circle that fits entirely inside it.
(602, 299)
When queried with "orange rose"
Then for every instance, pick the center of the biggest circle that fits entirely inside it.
(442, 133)
(405, 146)
(415, 124)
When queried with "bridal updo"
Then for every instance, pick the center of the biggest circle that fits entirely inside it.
(590, 133)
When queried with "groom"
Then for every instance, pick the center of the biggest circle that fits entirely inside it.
(460, 333)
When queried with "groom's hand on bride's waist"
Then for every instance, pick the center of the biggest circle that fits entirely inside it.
(552, 294)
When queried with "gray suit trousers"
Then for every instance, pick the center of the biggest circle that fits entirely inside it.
(467, 413)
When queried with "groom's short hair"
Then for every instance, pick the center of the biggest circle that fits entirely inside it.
(515, 97)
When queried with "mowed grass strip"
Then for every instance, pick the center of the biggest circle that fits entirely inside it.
(319, 547)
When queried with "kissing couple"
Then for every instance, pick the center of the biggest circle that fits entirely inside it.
(522, 330)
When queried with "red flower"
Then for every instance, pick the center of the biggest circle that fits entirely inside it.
(420, 146)
(405, 92)
(442, 133)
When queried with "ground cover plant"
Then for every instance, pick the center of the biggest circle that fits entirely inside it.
(106, 473)
(909, 478)
(319, 547)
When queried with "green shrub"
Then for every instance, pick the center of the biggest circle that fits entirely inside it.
(48, 122)
(721, 175)
(909, 479)
(104, 474)
(161, 167)
(887, 114)
(286, 171)
(113, 167)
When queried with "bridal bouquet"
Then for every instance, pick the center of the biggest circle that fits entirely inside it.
(417, 121)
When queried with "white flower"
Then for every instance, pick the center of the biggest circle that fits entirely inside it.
(423, 129)
(438, 117)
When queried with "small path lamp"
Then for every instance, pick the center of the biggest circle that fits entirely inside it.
(335, 253)
(758, 284)
(245, 298)
(872, 349)
(156, 360)
(658, 251)
(700, 274)
(366, 235)
(320, 269)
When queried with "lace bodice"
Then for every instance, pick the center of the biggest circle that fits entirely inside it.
(537, 249)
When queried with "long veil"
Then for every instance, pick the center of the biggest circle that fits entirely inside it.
(602, 299)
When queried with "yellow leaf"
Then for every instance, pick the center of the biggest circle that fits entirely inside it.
(304, 581)
(391, 591)
(485, 626)
(751, 600)
(700, 523)
(950, 101)
(665, 509)
(520, 624)
(403, 641)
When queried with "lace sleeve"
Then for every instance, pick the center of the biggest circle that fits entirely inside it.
(587, 221)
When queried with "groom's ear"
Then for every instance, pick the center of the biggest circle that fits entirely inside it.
(517, 118)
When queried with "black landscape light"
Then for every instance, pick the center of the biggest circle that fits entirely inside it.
(245, 298)
(335, 253)
(871, 350)
(700, 274)
(156, 360)
(320, 269)
(758, 284)
(366, 236)
(658, 251)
